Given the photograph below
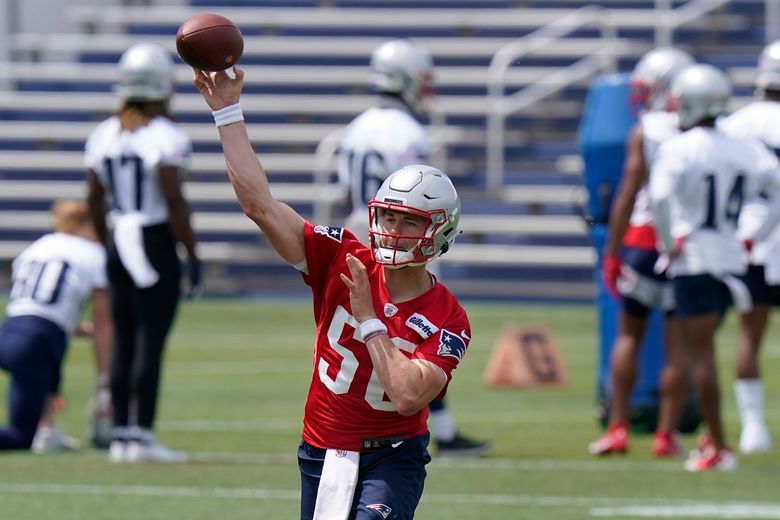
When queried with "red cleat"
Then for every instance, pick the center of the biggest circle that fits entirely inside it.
(615, 440)
(711, 459)
(666, 444)
(703, 444)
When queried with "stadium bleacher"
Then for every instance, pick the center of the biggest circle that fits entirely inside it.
(307, 77)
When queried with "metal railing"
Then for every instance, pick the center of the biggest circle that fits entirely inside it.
(501, 107)
(671, 19)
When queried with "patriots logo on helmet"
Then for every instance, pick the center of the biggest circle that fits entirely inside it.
(334, 233)
(451, 345)
(381, 509)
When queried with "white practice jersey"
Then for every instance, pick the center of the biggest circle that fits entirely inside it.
(698, 184)
(657, 127)
(128, 164)
(758, 120)
(378, 142)
(54, 276)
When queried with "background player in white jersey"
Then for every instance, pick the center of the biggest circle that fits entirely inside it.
(629, 256)
(758, 120)
(388, 335)
(136, 160)
(387, 136)
(698, 185)
(52, 279)
(378, 142)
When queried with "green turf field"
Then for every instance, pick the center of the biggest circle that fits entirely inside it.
(235, 381)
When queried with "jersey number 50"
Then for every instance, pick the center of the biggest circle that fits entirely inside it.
(340, 384)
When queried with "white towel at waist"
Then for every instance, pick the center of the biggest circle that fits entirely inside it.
(337, 485)
(129, 241)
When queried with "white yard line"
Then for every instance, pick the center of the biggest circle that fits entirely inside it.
(703, 510)
(598, 506)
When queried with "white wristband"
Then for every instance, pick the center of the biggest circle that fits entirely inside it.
(371, 328)
(227, 115)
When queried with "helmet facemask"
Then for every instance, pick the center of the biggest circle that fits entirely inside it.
(420, 191)
(386, 245)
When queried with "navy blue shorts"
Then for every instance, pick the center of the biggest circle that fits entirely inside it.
(390, 480)
(700, 294)
(760, 291)
(31, 351)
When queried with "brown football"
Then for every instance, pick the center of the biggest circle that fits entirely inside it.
(209, 42)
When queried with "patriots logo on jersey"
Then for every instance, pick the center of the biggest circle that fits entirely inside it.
(334, 233)
(451, 345)
(381, 509)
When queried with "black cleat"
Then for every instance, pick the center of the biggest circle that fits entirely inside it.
(461, 446)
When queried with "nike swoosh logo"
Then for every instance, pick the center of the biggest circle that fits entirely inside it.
(463, 333)
(396, 444)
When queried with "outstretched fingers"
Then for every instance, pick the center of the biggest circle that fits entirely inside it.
(349, 283)
(357, 270)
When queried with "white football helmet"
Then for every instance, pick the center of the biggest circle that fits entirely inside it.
(652, 77)
(405, 68)
(700, 91)
(145, 74)
(417, 190)
(768, 77)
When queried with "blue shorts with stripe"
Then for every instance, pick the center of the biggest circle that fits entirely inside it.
(641, 288)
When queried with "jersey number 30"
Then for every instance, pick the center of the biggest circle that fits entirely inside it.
(41, 281)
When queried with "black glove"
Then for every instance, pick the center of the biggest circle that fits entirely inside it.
(195, 275)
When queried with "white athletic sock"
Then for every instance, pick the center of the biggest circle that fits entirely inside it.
(121, 432)
(750, 400)
(141, 434)
(443, 425)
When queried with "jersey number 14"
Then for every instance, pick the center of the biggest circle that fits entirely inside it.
(733, 202)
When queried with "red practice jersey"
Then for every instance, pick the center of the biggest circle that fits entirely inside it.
(346, 403)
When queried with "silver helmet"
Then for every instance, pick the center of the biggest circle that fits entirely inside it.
(768, 77)
(421, 191)
(145, 74)
(405, 68)
(700, 91)
(653, 74)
